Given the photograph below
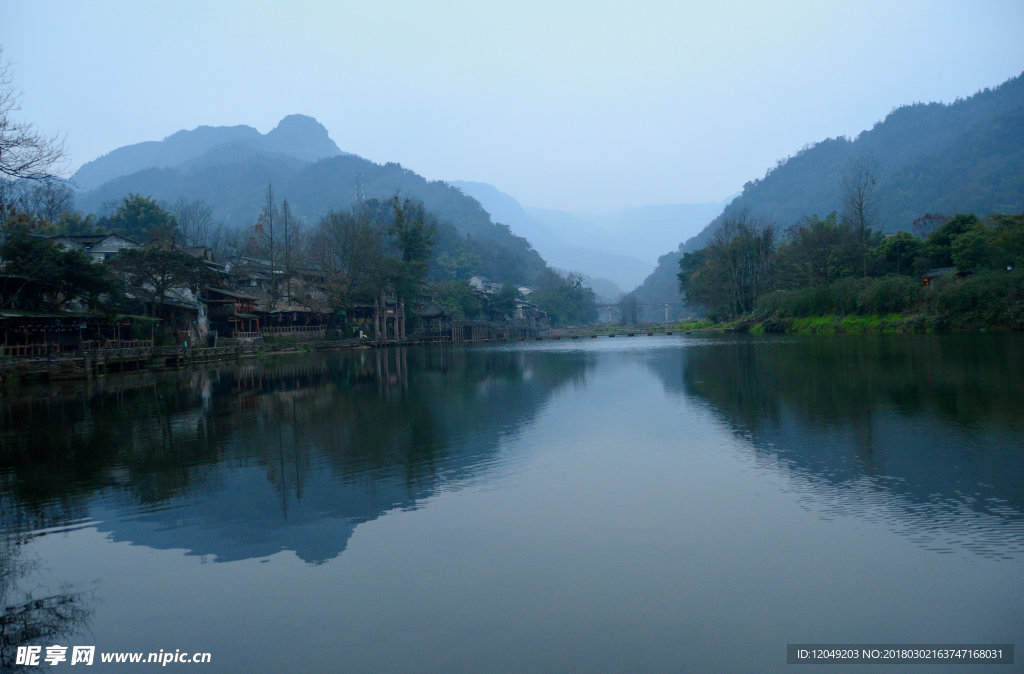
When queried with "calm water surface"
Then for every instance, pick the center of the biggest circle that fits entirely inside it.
(644, 504)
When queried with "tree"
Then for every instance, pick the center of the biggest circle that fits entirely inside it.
(46, 200)
(629, 309)
(817, 252)
(155, 270)
(266, 222)
(459, 299)
(735, 268)
(69, 273)
(1008, 239)
(565, 299)
(347, 249)
(195, 222)
(414, 238)
(896, 254)
(24, 152)
(291, 240)
(503, 305)
(939, 244)
(142, 219)
(860, 208)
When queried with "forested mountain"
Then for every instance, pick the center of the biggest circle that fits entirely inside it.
(965, 157)
(231, 177)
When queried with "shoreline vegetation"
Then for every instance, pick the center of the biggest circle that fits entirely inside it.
(987, 302)
(831, 276)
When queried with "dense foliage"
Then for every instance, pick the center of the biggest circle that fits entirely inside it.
(967, 271)
(69, 273)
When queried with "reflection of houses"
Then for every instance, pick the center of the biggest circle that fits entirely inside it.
(99, 247)
(232, 314)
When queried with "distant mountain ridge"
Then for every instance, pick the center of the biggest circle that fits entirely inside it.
(608, 273)
(296, 136)
(229, 169)
(620, 247)
(964, 157)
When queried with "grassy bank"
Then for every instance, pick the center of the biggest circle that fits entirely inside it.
(985, 302)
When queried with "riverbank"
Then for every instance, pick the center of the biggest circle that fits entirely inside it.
(88, 364)
(832, 324)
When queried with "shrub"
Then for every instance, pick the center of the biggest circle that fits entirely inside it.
(891, 294)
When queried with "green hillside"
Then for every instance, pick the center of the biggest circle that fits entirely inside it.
(965, 157)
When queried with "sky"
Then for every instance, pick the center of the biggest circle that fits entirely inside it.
(589, 107)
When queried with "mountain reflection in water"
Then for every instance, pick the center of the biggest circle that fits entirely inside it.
(644, 504)
(925, 432)
(286, 453)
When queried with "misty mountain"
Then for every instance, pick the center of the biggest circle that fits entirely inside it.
(620, 247)
(964, 157)
(607, 273)
(296, 136)
(642, 232)
(232, 177)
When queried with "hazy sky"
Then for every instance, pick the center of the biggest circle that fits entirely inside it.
(585, 106)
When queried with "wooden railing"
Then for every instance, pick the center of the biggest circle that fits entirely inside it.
(284, 330)
(27, 350)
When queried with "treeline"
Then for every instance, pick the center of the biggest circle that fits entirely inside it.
(952, 273)
(347, 256)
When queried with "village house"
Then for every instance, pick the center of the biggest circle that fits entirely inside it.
(231, 314)
(99, 247)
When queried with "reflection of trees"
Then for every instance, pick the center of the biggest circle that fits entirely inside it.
(376, 429)
(968, 381)
(28, 618)
(924, 434)
(936, 419)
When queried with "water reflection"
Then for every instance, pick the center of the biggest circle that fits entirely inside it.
(926, 433)
(288, 453)
(32, 614)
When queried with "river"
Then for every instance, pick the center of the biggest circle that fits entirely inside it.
(665, 503)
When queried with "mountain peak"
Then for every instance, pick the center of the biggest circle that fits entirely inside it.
(298, 136)
(301, 136)
(300, 122)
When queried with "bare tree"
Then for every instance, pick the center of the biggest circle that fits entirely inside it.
(45, 200)
(291, 242)
(195, 222)
(629, 309)
(24, 152)
(347, 248)
(860, 208)
(265, 231)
